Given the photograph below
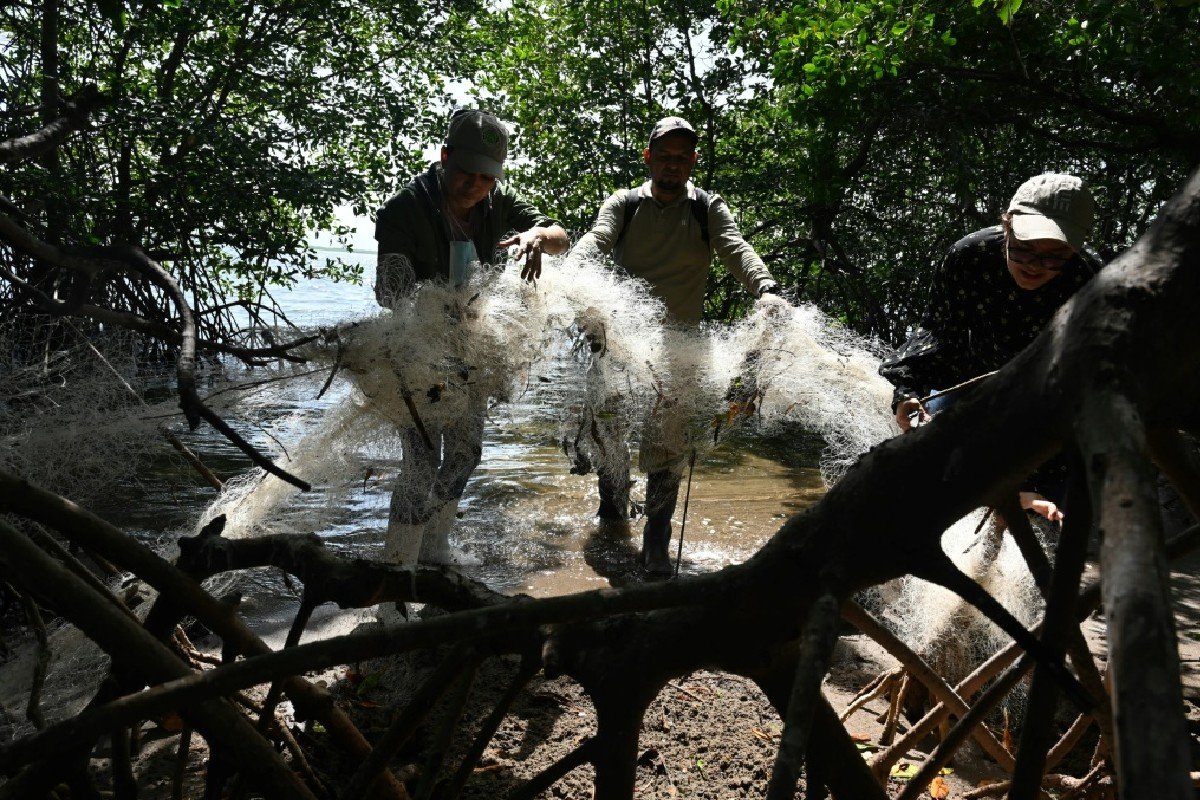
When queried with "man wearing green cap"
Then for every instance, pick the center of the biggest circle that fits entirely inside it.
(990, 297)
(453, 216)
(666, 232)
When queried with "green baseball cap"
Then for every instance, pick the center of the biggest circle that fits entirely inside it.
(1052, 206)
(671, 125)
(478, 142)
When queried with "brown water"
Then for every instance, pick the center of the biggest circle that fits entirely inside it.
(546, 540)
(529, 521)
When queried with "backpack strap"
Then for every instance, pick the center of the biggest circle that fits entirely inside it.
(632, 198)
(699, 210)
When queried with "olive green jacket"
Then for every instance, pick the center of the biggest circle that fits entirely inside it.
(412, 225)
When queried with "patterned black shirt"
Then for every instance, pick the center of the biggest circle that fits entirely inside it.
(978, 318)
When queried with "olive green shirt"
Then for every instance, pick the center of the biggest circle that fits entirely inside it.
(664, 247)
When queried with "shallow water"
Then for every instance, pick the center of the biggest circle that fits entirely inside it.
(530, 522)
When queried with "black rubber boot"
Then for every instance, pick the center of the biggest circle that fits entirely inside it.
(614, 497)
(662, 490)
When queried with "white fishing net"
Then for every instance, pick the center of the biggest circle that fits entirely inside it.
(611, 363)
(951, 635)
(71, 415)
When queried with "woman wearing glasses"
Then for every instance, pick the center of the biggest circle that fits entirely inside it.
(991, 295)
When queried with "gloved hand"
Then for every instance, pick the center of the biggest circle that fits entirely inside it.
(769, 302)
(769, 287)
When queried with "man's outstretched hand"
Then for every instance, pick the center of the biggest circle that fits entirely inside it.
(527, 247)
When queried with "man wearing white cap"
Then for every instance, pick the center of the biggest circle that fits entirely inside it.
(454, 215)
(991, 296)
(666, 232)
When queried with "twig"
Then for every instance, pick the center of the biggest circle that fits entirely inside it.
(248, 385)
(337, 364)
(892, 720)
(880, 685)
(680, 688)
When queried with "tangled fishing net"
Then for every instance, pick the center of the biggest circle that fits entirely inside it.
(601, 339)
(72, 417)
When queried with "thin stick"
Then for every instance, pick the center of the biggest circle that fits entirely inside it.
(686, 497)
(293, 638)
(958, 386)
(879, 686)
(942, 754)
(1068, 740)
(300, 760)
(171, 438)
(892, 720)
(915, 666)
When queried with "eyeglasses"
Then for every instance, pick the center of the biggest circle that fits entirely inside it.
(1029, 258)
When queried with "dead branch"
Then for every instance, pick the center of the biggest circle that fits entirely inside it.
(856, 615)
(79, 108)
(529, 668)
(139, 652)
(33, 709)
(820, 634)
(406, 723)
(441, 743)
